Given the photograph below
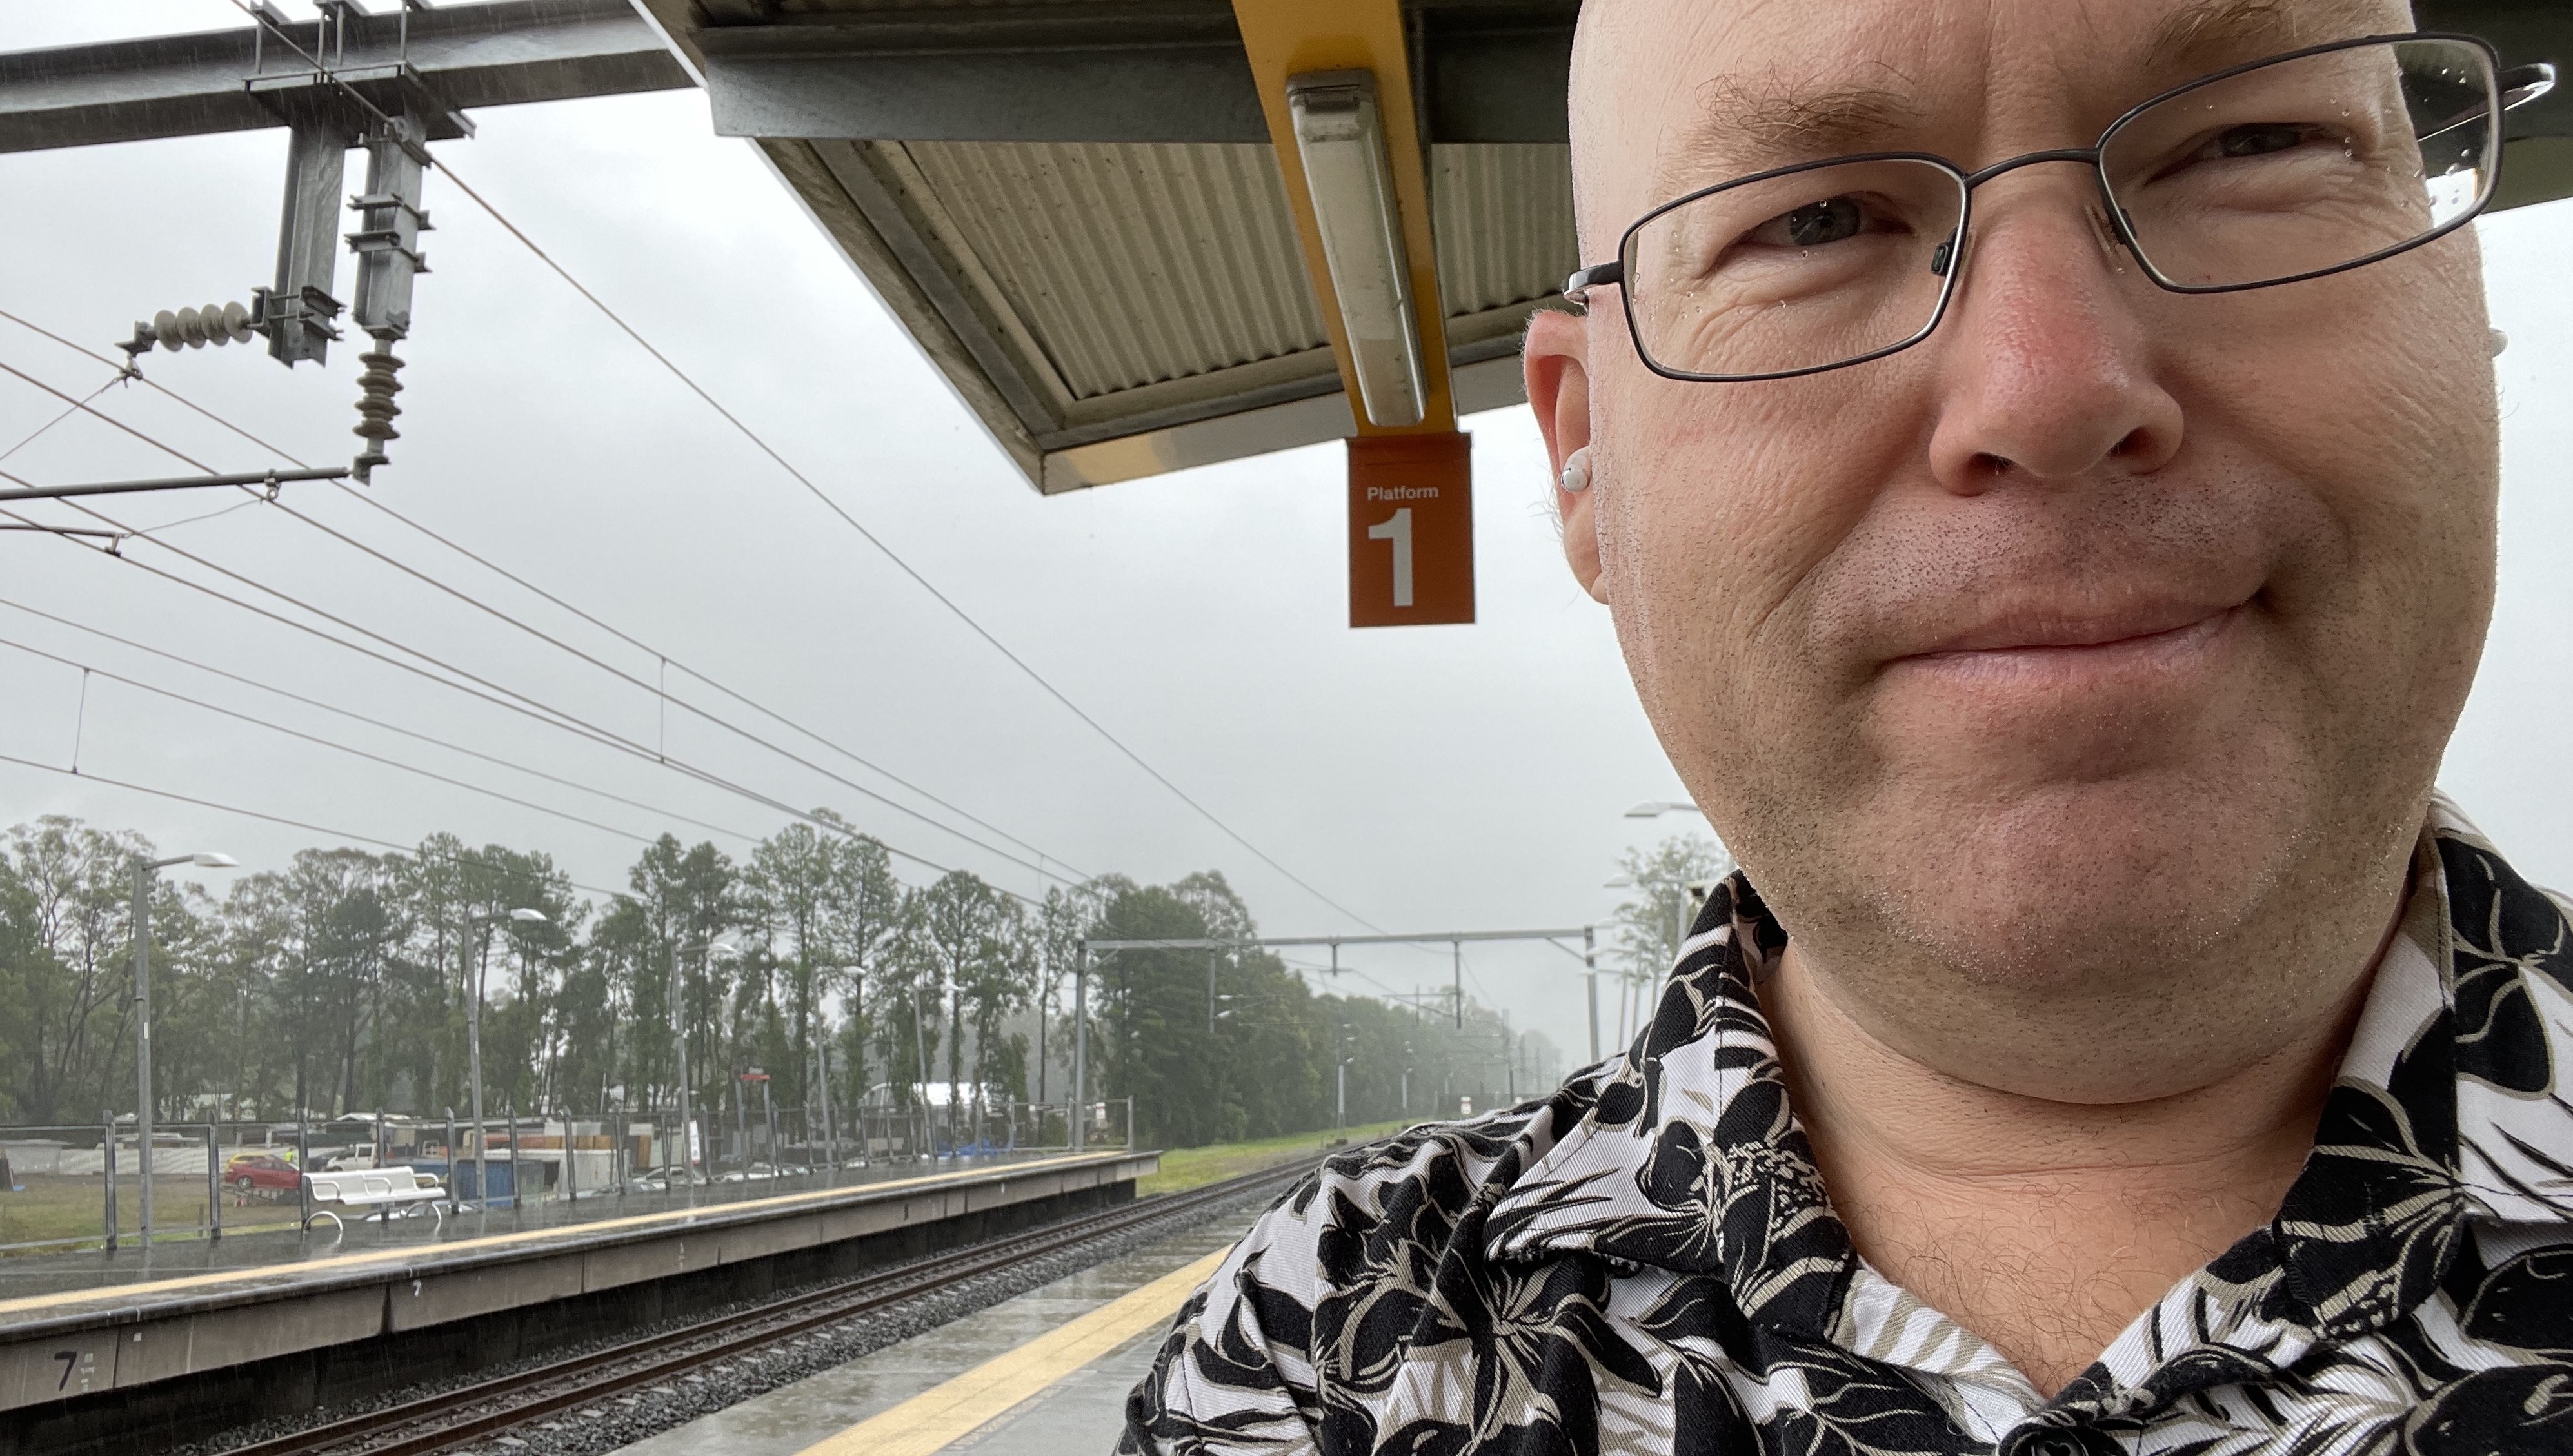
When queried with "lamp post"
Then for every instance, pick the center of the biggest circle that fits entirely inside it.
(1655, 808)
(723, 945)
(485, 919)
(143, 869)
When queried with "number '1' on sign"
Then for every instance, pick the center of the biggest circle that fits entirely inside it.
(1411, 530)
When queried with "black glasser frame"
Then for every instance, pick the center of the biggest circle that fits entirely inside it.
(2516, 88)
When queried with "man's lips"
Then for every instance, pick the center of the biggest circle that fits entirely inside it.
(2036, 636)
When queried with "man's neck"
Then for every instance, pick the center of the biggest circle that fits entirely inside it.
(2044, 1227)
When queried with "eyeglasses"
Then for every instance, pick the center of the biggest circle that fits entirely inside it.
(2302, 165)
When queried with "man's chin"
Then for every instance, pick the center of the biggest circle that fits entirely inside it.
(2081, 887)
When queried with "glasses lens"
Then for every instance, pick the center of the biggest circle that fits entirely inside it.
(1778, 275)
(2304, 165)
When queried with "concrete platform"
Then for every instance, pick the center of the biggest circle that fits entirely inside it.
(1080, 1411)
(99, 1350)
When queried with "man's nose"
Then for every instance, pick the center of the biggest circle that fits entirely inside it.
(2046, 372)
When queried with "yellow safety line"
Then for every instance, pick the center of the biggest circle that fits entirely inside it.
(936, 1418)
(496, 1240)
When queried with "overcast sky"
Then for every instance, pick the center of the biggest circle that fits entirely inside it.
(1425, 779)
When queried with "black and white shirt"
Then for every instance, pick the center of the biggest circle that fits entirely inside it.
(1646, 1261)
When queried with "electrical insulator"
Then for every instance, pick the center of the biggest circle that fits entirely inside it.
(375, 408)
(216, 324)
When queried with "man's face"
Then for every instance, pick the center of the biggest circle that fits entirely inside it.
(2077, 635)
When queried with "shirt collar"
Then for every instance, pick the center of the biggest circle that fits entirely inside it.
(1686, 1156)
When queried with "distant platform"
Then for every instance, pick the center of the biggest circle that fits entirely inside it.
(262, 1324)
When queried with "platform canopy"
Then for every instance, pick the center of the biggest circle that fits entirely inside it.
(1078, 206)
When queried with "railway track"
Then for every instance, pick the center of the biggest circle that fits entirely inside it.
(469, 1413)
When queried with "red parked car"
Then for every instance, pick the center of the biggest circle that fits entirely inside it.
(261, 1170)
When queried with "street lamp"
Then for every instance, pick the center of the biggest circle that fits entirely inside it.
(1656, 808)
(721, 943)
(143, 869)
(473, 1051)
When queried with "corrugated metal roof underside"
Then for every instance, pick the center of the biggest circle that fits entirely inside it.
(1132, 264)
(1502, 215)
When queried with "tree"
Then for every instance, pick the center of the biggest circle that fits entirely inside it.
(831, 892)
(1669, 884)
(687, 897)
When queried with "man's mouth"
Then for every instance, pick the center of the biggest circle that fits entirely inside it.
(2143, 637)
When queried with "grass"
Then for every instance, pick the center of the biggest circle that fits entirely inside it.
(51, 1206)
(1189, 1168)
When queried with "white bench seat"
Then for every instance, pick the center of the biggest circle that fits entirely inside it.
(382, 1191)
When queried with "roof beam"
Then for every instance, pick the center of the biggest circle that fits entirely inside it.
(1086, 71)
(492, 54)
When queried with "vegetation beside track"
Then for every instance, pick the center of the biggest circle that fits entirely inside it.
(1189, 1168)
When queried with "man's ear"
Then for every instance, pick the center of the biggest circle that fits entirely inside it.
(1557, 360)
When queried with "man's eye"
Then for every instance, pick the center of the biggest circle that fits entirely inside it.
(1815, 224)
(2257, 139)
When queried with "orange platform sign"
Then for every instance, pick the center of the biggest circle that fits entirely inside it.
(1411, 530)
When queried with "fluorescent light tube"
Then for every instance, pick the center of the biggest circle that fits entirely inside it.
(1340, 134)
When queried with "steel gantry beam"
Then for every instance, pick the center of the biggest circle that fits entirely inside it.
(470, 55)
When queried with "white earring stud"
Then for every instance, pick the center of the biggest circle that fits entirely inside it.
(1576, 471)
(2500, 342)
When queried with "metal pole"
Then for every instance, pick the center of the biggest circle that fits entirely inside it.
(302, 1172)
(830, 1119)
(107, 1117)
(1590, 974)
(1129, 1122)
(143, 1037)
(679, 1038)
(1341, 1117)
(1456, 949)
(1210, 992)
(511, 1109)
(474, 1054)
(214, 1184)
(1080, 1109)
(451, 1179)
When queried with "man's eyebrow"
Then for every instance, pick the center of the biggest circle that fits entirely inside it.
(2213, 34)
(1741, 129)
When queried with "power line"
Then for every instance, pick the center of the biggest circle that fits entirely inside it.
(374, 758)
(354, 716)
(816, 492)
(560, 645)
(899, 562)
(414, 851)
(497, 696)
(69, 410)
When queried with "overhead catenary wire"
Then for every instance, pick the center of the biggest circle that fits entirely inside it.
(66, 413)
(375, 758)
(372, 722)
(550, 640)
(325, 831)
(851, 521)
(522, 582)
(495, 697)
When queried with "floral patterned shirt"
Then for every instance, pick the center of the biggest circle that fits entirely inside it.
(1646, 1261)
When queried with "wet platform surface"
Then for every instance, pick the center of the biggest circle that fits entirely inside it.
(1079, 1412)
(26, 1280)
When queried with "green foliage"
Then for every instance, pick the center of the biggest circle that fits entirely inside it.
(346, 982)
(1668, 885)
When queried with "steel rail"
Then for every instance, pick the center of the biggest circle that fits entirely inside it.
(470, 1413)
